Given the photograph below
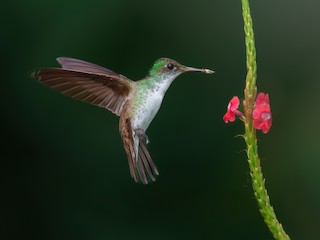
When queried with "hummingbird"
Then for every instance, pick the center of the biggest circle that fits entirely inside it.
(135, 102)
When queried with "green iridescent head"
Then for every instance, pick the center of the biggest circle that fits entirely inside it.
(170, 67)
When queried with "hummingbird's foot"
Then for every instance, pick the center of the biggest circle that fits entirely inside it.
(141, 134)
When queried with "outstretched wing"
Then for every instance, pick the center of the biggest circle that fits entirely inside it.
(87, 82)
(141, 164)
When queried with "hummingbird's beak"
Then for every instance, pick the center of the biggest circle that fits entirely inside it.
(191, 69)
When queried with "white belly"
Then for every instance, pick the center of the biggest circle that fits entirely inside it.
(146, 105)
(147, 110)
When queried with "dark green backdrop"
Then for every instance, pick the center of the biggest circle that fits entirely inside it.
(64, 172)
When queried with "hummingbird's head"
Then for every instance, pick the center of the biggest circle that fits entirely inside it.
(169, 68)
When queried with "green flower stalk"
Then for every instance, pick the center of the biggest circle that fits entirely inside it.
(258, 181)
(257, 115)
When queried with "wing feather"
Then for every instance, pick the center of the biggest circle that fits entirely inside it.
(106, 89)
(84, 66)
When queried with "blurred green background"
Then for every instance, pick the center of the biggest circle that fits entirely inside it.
(64, 172)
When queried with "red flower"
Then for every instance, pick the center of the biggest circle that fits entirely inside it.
(232, 110)
(262, 99)
(262, 118)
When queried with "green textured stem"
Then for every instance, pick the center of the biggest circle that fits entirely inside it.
(258, 181)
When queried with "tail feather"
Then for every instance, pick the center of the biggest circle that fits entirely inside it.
(146, 163)
(141, 165)
(144, 166)
(141, 171)
(143, 148)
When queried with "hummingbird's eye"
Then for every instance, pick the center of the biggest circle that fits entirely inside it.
(170, 66)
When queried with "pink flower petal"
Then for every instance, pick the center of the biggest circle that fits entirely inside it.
(229, 117)
(234, 104)
(257, 124)
(262, 99)
(262, 118)
(232, 110)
